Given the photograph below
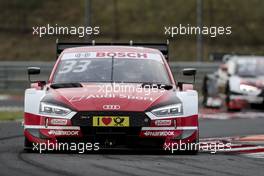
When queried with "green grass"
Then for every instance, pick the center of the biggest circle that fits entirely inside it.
(10, 116)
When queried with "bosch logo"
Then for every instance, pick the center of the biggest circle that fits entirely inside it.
(122, 54)
(111, 107)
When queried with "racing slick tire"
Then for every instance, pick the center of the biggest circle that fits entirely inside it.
(28, 146)
(204, 91)
(228, 93)
(192, 152)
(196, 150)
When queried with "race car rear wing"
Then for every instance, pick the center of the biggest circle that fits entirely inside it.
(162, 47)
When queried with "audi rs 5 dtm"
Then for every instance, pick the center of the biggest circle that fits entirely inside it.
(239, 81)
(118, 96)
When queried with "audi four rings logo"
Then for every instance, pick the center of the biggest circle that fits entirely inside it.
(111, 107)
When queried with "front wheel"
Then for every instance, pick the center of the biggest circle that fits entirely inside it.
(194, 146)
(231, 105)
(194, 151)
(28, 146)
(204, 91)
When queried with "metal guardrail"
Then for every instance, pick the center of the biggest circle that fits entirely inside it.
(13, 75)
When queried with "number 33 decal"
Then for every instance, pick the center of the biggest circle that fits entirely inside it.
(74, 66)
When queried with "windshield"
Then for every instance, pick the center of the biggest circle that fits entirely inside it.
(101, 70)
(250, 67)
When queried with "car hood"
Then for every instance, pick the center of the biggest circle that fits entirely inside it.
(101, 97)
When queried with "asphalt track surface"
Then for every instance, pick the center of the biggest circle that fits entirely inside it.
(14, 161)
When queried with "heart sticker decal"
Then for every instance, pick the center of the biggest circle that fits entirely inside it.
(106, 120)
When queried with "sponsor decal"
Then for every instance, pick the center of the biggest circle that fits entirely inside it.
(129, 55)
(111, 121)
(63, 133)
(82, 55)
(58, 121)
(162, 122)
(122, 54)
(158, 133)
(121, 96)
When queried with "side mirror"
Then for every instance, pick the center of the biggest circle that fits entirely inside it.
(32, 71)
(189, 72)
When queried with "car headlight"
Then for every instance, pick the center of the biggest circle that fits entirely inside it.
(249, 89)
(171, 110)
(53, 110)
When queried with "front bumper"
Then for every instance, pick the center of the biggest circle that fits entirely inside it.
(141, 134)
(248, 98)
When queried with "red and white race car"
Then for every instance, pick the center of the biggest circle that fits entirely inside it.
(116, 96)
